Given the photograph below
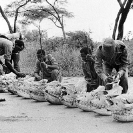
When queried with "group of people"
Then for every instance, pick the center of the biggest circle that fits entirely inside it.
(46, 66)
(111, 54)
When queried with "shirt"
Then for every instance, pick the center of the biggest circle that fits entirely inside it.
(50, 60)
(6, 47)
(88, 70)
(119, 59)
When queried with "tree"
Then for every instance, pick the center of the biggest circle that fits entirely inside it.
(80, 39)
(6, 19)
(40, 32)
(121, 18)
(57, 15)
(13, 10)
(29, 9)
(52, 11)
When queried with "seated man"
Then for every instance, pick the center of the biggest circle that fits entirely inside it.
(47, 65)
(93, 81)
(112, 54)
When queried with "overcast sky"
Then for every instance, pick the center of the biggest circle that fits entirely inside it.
(95, 15)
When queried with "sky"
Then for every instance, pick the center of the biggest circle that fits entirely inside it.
(97, 16)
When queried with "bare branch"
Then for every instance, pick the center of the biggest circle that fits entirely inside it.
(55, 11)
(6, 19)
(50, 13)
(55, 23)
(120, 3)
(16, 14)
(55, 1)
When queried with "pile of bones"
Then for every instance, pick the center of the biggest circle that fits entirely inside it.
(72, 94)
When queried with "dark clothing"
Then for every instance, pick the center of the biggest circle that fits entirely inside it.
(93, 80)
(118, 61)
(15, 57)
(15, 60)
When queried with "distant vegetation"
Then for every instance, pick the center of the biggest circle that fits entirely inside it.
(66, 53)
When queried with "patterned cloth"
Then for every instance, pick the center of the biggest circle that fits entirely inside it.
(48, 73)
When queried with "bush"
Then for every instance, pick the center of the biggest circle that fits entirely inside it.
(66, 55)
(69, 62)
(28, 59)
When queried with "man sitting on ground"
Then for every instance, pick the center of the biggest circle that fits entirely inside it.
(46, 67)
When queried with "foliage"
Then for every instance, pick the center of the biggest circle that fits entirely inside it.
(75, 40)
(129, 45)
(69, 61)
(30, 11)
(52, 11)
(79, 39)
(33, 35)
(66, 53)
(68, 57)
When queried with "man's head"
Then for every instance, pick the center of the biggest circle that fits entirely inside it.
(84, 52)
(108, 47)
(19, 46)
(41, 55)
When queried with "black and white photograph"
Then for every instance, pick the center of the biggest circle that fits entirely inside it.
(66, 66)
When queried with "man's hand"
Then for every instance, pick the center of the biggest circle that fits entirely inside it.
(44, 65)
(19, 74)
(38, 78)
(5, 68)
(117, 78)
(88, 80)
(109, 79)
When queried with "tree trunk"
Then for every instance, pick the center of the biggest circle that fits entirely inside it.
(64, 34)
(118, 16)
(123, 18)
(62, 27)
(116, 24)
(4, 16)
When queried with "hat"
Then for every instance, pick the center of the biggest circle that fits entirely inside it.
(40, 52)
(108, 47)
(86, 50)
(19, 43)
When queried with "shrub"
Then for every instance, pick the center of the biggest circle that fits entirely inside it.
(69, 61)
(68, 57)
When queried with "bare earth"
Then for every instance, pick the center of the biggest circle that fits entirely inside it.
(19, 115)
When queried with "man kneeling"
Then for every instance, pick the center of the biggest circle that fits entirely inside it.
(46, 67)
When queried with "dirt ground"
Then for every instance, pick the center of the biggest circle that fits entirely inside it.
(19, 115)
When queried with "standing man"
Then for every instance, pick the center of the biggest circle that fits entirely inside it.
(6, 49)
(112, 54)
(15, 57)
(93, 81)
(46, 67)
